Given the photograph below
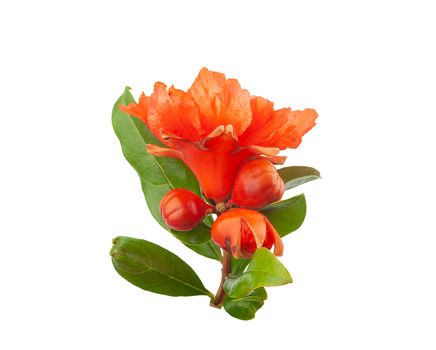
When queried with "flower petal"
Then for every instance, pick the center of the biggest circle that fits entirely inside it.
(273, 238)
(261, 110)
(221, 101)
(257, 225)
(303, 121)
(281, 129)
(139, 110)
(174, 112)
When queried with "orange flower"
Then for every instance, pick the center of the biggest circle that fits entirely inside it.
(216, 126)
(242, 231)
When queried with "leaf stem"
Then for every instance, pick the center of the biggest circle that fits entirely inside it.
(226, 269)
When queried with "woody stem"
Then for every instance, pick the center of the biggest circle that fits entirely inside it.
(226, 269)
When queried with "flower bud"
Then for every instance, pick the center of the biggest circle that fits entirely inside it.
(242, 231)
(182, 210)
(257, 184)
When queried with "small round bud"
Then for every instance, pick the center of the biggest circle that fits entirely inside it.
(257, 184)
(182, 210)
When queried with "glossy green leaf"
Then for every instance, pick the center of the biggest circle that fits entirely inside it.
(208, 220)
(264, 270)
(297, 175)
(158, 174)
(287, 215)
(239, 265)
(155, 269)
(197, 236)
(209, 250)
(245, 308)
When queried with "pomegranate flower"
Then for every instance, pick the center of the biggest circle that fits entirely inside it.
(216, 126)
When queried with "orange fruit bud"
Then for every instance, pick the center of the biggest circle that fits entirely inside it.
(182, 210)
(242, 231)
(257, 184)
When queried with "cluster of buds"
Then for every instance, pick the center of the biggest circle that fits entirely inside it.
(239, 228)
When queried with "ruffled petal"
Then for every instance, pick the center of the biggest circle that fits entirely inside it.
(261, 110)
(280, 129)
(303, 122)
(139, 110)
(221, 101)
(173, 112)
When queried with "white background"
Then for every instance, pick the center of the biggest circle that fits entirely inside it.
(364, 261)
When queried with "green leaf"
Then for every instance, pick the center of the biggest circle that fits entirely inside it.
(239, 265)
(297, 175)
(197, 236)
(158, 174)
(245, 308)
(208, 220)
(287, 215)
(264, 270)
(209, 250)
(155, 269)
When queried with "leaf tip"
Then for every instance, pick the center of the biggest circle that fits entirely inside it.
(114, 252)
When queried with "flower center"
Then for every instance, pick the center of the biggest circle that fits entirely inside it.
(220, 207)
